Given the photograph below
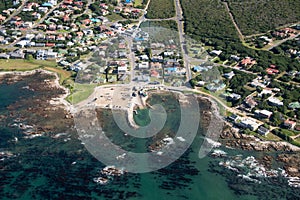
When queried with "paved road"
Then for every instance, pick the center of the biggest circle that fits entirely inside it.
(131, 57)
(182, 40)
(16, 11)
(284, 40)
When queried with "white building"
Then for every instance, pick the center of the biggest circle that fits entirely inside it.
(274, 101)
(122, 70)
(249, 123)
(53, 2)
(143, 65)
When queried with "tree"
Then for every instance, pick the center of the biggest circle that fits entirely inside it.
(276, 118)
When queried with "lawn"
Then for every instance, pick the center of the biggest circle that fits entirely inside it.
(168, 24)
(65, 77)
(27, 65)
(114, 17)
(23, 65)
(80, 92)
(138, 3)
(271, 137)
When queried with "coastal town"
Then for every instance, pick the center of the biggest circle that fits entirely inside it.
(108, 41)
(114, 53)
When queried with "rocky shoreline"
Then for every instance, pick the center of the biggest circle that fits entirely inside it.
(283, 153)
(44, 109)
(48, 112)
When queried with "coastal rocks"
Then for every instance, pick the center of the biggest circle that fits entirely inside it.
(6, 155)
(291, 163)
(294, 182)
(231, 138)
(107, 174)
(34, 107)
(218, 153)
(250, 169)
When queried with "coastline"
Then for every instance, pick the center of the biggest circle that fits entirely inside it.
(211, 117)
(55, 83)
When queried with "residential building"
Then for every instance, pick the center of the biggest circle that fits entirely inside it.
(18, 54)
(263, 113)
(250, 102)
(249, 123)
(294, 105)
(122, 70)
(143, 65)
(215, 52)
(263, 131)
(234, 118)
(233, 97)
(4, 56)
(247, 62)
(274, 101)
(143, 78)
(289, 124)
(229, 75)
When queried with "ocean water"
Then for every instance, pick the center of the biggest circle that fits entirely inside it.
(48, 167)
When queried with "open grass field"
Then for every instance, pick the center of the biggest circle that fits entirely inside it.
(114, 17)
(26, 65)
(253, 16)
(23, 65)
(138, 3)
(80, 92)
(65, 77)
(161, 9)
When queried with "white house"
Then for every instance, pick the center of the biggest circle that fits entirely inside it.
(53, 2)
(23, 43)
(249, 123)
(274, 101)
(143, 65)
(122, 70)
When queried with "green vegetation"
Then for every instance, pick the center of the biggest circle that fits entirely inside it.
(286, 135)
(168, 24)
(208, 21)
(286, 46)
(66, 78)
(4, 4)
(254, 16)
(114, 17)
(271, 137)
(138, 3)
(24, 65)
(161, 9)
(80, 92)
(162, 31)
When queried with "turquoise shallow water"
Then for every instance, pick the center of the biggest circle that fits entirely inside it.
(44, 167)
